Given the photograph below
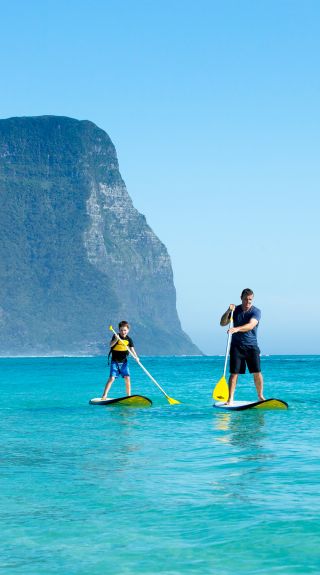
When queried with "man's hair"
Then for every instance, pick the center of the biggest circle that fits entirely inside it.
(124, 324)
(246, 292)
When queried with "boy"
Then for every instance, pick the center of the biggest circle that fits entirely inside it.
(119, 358)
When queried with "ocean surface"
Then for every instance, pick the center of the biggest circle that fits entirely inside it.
(172, 490)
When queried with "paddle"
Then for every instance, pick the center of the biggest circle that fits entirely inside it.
(170, 399)
(221, 390)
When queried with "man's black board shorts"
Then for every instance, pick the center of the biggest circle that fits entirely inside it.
(242, 355)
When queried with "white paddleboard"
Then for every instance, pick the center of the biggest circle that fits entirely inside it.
(271, 403)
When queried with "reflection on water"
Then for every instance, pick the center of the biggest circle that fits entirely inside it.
(247, 456)
(118, 448)
(240, 429)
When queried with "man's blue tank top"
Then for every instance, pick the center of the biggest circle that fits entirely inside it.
(241, 317)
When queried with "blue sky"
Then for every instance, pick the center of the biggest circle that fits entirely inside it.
(214, 111)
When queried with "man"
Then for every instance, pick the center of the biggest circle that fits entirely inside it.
(244, 348)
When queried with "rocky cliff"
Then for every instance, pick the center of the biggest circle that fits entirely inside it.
(75, 254)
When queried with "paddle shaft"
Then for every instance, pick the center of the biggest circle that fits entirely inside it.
(228, 345)
(139, 362)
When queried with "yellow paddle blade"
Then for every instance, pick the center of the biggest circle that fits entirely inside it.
(221, 391)
(172, 401)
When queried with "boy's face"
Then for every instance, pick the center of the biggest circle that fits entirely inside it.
(124, 330)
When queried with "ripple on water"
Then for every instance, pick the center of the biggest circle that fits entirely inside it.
(170, 489)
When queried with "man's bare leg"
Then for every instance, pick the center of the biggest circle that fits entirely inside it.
(232, 386)
(258, 381)
(107, 387)
(128, 384)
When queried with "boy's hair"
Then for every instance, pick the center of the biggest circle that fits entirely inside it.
(246, 292)
(123, 324)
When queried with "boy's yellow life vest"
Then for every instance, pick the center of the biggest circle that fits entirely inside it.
(121, 346)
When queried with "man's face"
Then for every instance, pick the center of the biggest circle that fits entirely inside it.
(247, 302)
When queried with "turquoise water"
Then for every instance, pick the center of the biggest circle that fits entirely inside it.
(169, 489)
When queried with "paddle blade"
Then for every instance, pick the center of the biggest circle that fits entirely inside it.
(172, 401)
(221, 390)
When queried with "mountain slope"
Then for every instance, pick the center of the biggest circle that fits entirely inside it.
(75, 253)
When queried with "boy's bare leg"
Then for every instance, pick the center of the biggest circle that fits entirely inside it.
(128, 384)
(258, 381)
(107, 387)
(232, 386)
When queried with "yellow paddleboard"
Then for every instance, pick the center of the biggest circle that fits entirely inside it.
(128, 401)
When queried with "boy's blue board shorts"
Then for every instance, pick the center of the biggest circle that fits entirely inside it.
(117, 369)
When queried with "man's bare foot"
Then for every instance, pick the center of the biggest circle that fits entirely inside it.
(261, 398)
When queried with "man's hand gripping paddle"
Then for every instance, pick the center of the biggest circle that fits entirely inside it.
(221, 390)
